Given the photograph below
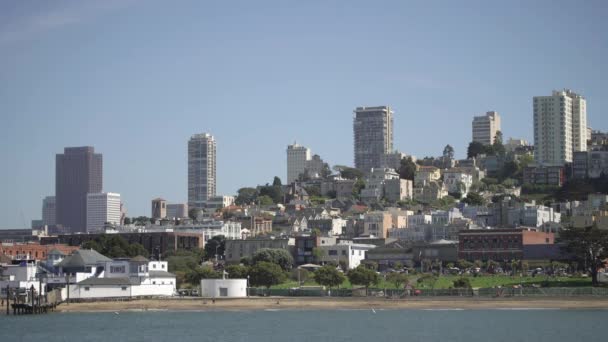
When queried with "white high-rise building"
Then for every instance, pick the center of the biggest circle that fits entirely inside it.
(485, 127)
(560, 127)
(48, 211)
(373, 136)
(201, 170)
(101, 208)
(297, 157)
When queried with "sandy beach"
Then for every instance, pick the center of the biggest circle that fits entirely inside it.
(337, 303)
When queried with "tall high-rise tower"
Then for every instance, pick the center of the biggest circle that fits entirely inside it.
(373, 135)
(78, 172)
(297, 156)
(560, 127)
(485, 128)
(201, 169)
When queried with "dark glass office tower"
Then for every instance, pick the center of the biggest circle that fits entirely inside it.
(78, 171)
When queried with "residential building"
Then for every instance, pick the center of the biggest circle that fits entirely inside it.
(385, 183)
(560, 127)
(102, 208)
(389, 255)
(305, 246)
(328, 226)
(457, 180)
(344, 253)
(499, 244)
(297, 157)
(246, 248)
(342, 187)
(485, 128)
(398, 189)
(544, 175)
(444, 217)
(373, 136)
(514, 144)
(315, 167)
(255, 225)
(177, 210)
(419, 219)
(532, 216)
(159, 208)
(392, 160)
(425, 175)
(598, 163)
(580, 165)
(202, 176)
(219, 202)
(78, 172)
(377, 223)
(49, 211)
(430, 192)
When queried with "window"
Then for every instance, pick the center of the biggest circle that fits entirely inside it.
(345, 253)
(117, 269)
(332, 252)
(86, 288)
(154, 282)
(124, 288)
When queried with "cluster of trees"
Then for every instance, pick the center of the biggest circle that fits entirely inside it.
(262, 195)
(589, 246)
(496, 149)
(267, 267)
(115, 246)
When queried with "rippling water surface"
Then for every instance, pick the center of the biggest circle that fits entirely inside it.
(327, 325)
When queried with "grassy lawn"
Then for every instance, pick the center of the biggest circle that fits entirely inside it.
(482, 281)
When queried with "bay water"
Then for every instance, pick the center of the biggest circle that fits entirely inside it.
(325, 325)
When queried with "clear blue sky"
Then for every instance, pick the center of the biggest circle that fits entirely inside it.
(136, 79)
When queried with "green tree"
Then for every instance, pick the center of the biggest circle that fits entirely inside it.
(237, 271)
(475, 148)
(474, 198)
(326, 172)
(276, 181)
(265, 200)
(363, 276)
(274, 192)
(277, 256)
(407, 169)
(588, 245)
(215, 246)
(463, 264)
(329, 276)
(194, 276)
(509, 170)
(266, 274)
(397, 279)
(136, 249)
(246, 196)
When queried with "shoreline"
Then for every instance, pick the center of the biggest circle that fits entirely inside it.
(325, 303)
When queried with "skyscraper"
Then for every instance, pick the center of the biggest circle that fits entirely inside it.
(560, 127)
(101, 208)
(297, 156)
(78, 172)
(201, 169)
(48, 211)
(373, 135)
(485, 128)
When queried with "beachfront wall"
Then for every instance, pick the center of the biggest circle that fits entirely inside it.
(165, 290)
(227, 288)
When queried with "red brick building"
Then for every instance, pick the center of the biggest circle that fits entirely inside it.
(499, 244)
(33, 250)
